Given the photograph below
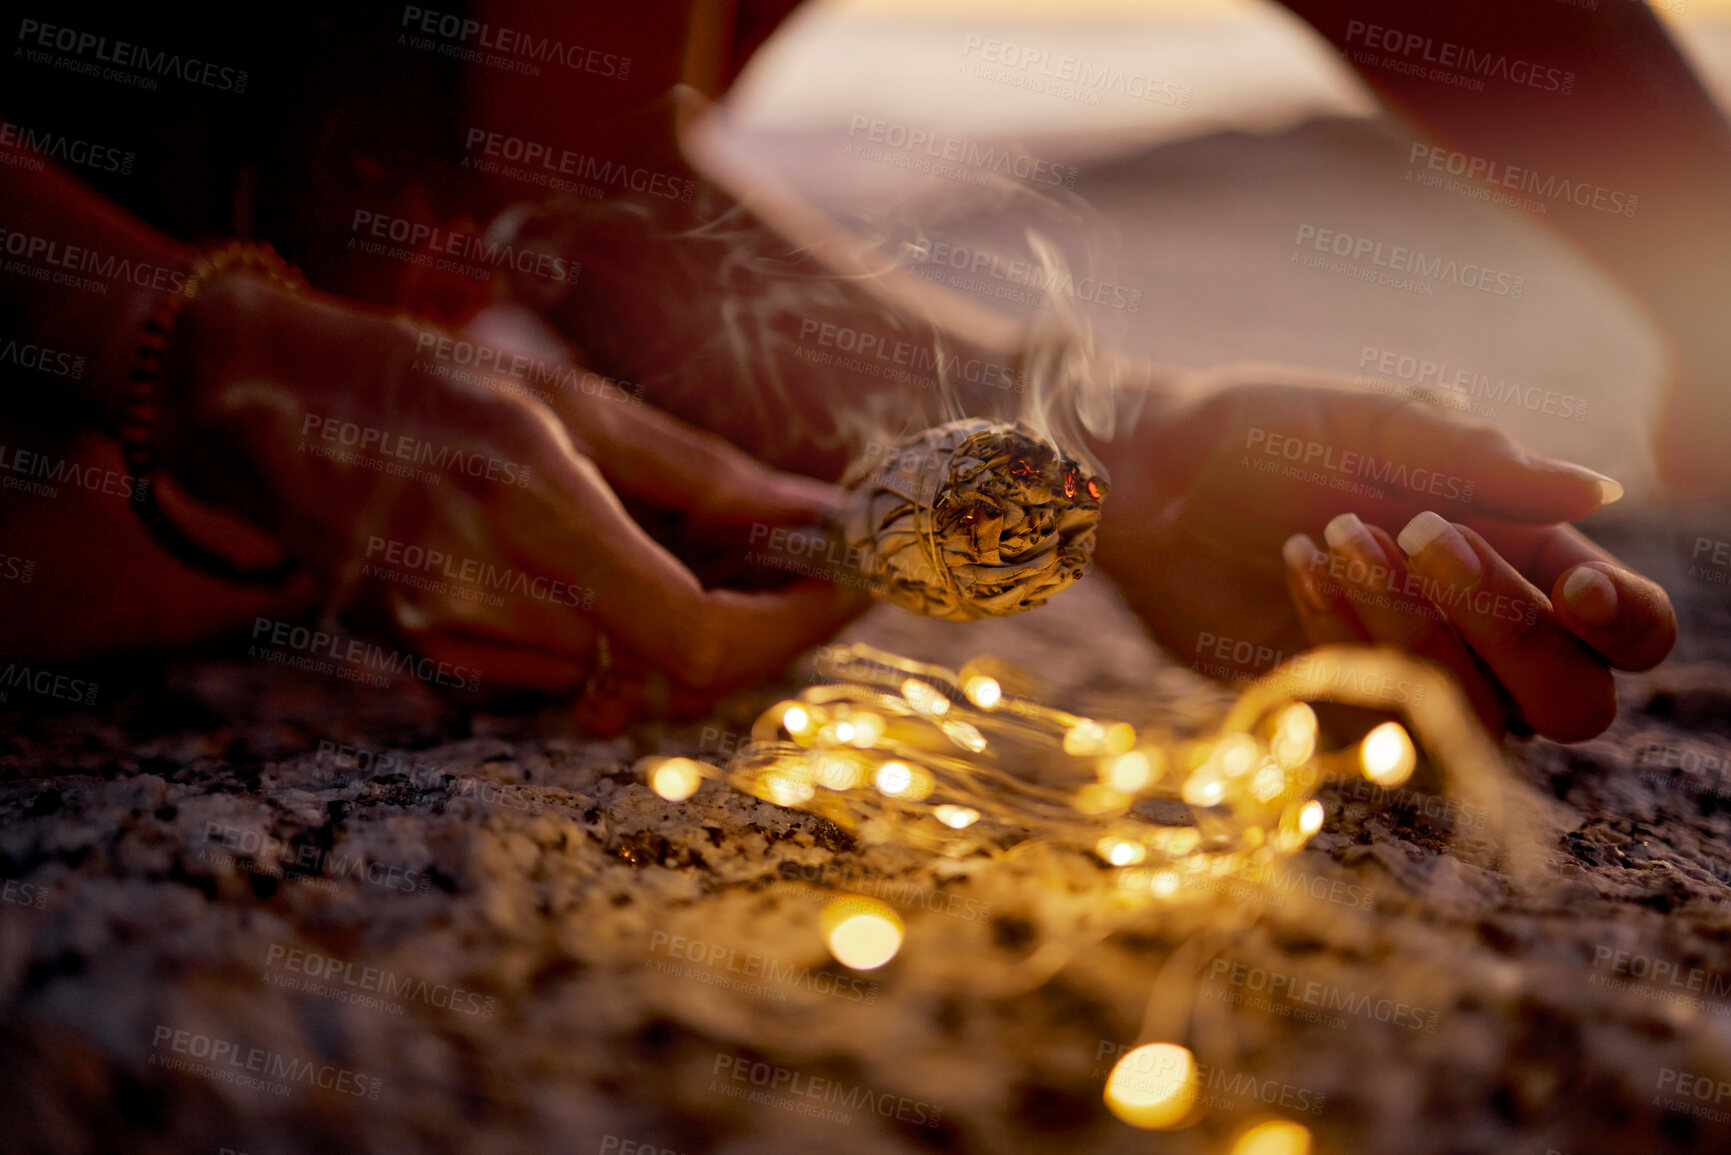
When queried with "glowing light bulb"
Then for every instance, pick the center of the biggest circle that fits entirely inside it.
(983, 691)
(844, 732)
(1274, 1137)
(1236, 755)
(1084, 738)
(1295, 734)
(894, 778)
(862, 933)
(1132, 771)
(924, 698)
(1387, 755)
(1310, 818)
(1269, 782)
(964, 734)
(840, 770)
(1153, 1087)
(1204, 789)
(1098, 798)
(785, 789)
(867, 729)
(1121, 851)
(797, 720)
(956, 817)
(676, 779)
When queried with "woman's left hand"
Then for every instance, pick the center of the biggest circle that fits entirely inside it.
(1281, 511)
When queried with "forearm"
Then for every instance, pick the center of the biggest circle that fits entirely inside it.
(80, 277)
(1608, 107)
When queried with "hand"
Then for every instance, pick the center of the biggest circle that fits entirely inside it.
(1209, 527)
(440, 507)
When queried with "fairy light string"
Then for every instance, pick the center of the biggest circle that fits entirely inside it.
(961, 762)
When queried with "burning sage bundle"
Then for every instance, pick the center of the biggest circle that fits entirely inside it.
(971, 520)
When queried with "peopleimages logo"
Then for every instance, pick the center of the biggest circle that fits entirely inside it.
(124, 55)
(496, 45)
(453, 250)
(307, 859)
(58, 146)
(356, 656)
(933, 255)
(1414, 50)
(810, 1094)
(1069, 77)
(1469, 387)
(42, 359)
(229, 1061)
(347, 979)
(1525, 180)
(1400, 259)
(960, 151)
(546, 164)
(1232, 1089)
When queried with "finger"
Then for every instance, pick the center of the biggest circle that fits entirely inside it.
(499, 665)
(1624, 616)
(1388, 603)
(1627, 618)
(1563, 688)
(654, 456)
(646, 452)
(619, 698)
(1437, 458)
(539, 634)
(1325, 617)
(644, 597)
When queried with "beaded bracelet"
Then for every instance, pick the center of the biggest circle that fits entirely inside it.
(139, 425)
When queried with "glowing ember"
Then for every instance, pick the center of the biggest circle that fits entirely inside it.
(1153, 1087)
(862, 933)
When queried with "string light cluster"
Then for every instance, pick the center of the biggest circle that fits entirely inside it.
(912, 753)
(961, 761)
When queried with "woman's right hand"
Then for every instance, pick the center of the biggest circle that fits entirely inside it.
(439, 505)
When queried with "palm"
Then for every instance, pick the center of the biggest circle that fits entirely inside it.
(1193, 535)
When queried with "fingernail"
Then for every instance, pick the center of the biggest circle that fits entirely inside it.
(1436, 547)
(1591, 594)
(1299, 551)
(1348, 534)
(1301, 554)
(1610, 489)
